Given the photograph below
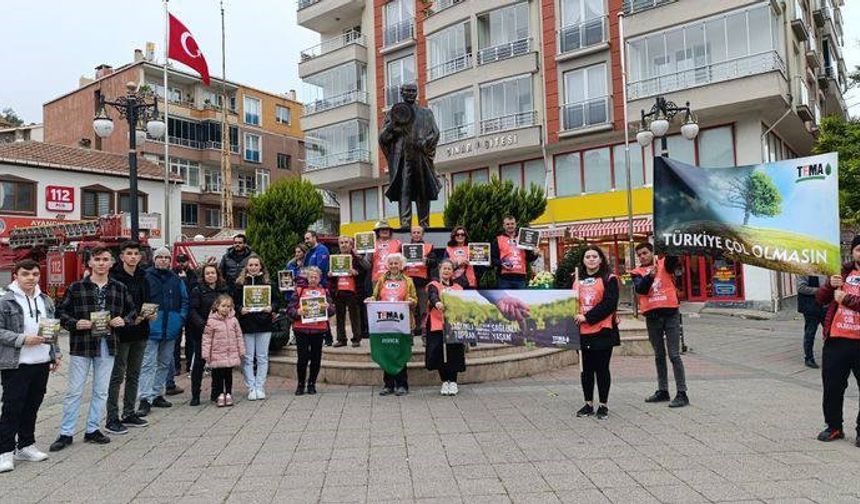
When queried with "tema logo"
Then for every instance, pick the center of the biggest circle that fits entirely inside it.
(815, 171)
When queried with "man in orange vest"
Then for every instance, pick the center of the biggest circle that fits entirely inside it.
(420, 275)
(658, 301)
(511, 261)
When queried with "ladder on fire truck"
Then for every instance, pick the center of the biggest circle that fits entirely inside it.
(105, 228)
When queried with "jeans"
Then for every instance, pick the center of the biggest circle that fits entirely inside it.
(810, 327)
(156, 365)
(309, 349)
(23, 391)
(512, 283)
(126, 366)
(670, 327)
(839, 358)
(256, 346)
(79, 368)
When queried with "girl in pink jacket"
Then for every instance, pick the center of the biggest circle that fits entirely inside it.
(223, 348)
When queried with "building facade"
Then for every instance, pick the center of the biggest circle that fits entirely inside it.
(24, 133)
(531, 91)
(265, 136)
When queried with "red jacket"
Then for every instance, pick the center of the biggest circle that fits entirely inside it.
(824, 297)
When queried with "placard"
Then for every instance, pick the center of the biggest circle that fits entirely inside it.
(286, 281)
(340, 264)
(101, 323)
(365, 243)
(314, 309)
(49, 330)
(479, 254)
(528, 239)
(256, 297)
(413, 252)
(148, 309)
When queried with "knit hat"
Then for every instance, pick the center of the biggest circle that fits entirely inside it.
(855, 241)
(161, 251)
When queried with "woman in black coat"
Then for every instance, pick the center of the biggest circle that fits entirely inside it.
(202, 297)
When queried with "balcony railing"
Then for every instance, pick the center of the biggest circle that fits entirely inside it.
(306, 3)
(449, 135)
(634, 6)
(508, 122)
(327, 46)
(582, 35)
(216, 188)
(455, 65)
(354, 96)
(831, 72)
(585, 114)
(392, 94)
(440, 5)
(352, 156)
(398, 32)
(504, 51)
(707, 74)
(234, 148)
(184, 142)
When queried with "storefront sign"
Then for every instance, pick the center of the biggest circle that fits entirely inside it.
(482, 145)
(59, 198)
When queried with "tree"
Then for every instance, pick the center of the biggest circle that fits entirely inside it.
(279, 217)
(8, 115)
(567, 267)
(836, 134)
(756, 194)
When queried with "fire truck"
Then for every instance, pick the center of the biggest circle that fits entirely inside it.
(62, 250)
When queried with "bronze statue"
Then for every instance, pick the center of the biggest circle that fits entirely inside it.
(408, 139)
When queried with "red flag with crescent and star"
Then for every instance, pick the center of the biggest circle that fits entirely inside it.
(183, 48)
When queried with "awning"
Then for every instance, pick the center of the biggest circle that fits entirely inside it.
(610, 228)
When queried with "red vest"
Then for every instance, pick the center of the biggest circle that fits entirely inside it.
(846, 322)
(393, 290)
(346, 283)
(662, 293)
(437, 318)
(591, 292)
(383, 248)
(419, 270)
(309, 292)
(513, 259)
(458, 254)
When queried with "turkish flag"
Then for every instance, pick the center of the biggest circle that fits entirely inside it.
(183, 48)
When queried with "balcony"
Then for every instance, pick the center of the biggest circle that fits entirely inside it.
(802, 104)
(574, 38)
(704, 75)
(234, 148)
(636, 6)
(504, 51)
(440, 5)
(354, 96)
(337, 171)
(237, 190)
(508, 122)
(336, 109)
(326, 16)
(351, 46)
(453, 66)
(798, 22)
(813, 60)
(449, 135)
(509, 137)
(586, 114)
(398, 34)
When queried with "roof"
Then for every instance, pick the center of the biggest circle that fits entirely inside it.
(64, 157)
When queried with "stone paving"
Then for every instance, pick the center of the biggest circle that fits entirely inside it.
(749, 436)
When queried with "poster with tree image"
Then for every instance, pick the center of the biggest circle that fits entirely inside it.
(479, 254)
(286, 282)
(314, 309)
(101, 323)
(256, 297)
(365, 243)
(148, 310)
(528, 239)
(49, 330)
(340, 264)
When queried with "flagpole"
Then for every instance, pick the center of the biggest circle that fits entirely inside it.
(166, 226)
(627, 168)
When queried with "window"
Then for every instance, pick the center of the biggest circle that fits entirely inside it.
(585, 96)
(252, 148)
(213, 217)
(716, 147)
(479, 176)
(338, 144)
(507, 105)
(189, 214)
(363, 204)
(335, 87)
(398, 72)
(282, 114)
(597, 171)
(262, 180)
(503, 33)
(525, 174)
(455, 116)
(637, 170)
(188, 170)
(568, 174)
(17, 196)
(679, 148)
(212, 180)
(95, 202)
(449, 51)
(398, 21)
(240, 220)
(284, 161)
(125, 202)
(252, 110)
(775, 148)
(438, 205)
(582, 24)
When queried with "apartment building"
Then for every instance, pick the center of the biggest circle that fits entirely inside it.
(531, 91)
(265, 136)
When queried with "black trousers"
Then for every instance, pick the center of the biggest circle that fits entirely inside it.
(23, 391)
(399, 380)
(222, 381)
(839, 358)
(447, 375)
(309, 348)
(197, 363)
(810, 327)
(595, 363)
(352, 305)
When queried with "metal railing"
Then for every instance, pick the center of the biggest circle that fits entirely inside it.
(398, 32)
(508, 122)
(354, 96)
(449, 67)
(184, 142)
(333, 44)
(211, 188)
(440, 5)
(504, 51)
(392, 94)
(706, 74)
(832, 72)
(449, 135)
(341, 158)
(306, 3)
(585, 114)
(801, 93)
(582, 35)
(634, 6)
(234, 148)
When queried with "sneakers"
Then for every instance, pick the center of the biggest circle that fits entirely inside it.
(312, 388)
(659, 396)
(195, 401)
(134, 421)
(116, 427)
(452, 388)
(30, 454)
(261, 394)
(228, 400)
(680, 400)
(400, 391)
(445, 390)
(144, 408)
(222, 401)
(61, 442)
(586, 410)
(602, 412)
(831, 434)
(160, 402)
(810, 363)
(252, 395)
(175, 391)
(386, 391)
(300, 389)
(338, 344)
(96, 437)
(7, 462)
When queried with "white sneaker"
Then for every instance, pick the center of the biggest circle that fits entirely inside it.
(261, 394)
(452, 388)
(31, 454)
(252, 395)
(7, 462)
(445, 389)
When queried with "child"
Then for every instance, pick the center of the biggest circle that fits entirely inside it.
(223, 348)
(309, 335)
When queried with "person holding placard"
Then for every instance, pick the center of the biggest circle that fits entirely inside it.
(347, 292)
(457, 252)
(419, 271)
(510, 260)
(256, 322)
(447, 358)
(385, 245)
(310, 310)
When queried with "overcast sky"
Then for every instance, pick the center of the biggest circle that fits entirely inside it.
(48, 45)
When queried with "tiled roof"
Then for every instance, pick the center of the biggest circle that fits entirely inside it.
(64, 157)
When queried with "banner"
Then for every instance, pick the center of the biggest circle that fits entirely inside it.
(540, 317)
(782, 216)
(390, 334)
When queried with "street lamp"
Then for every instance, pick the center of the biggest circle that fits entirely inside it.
(139, 114)
(656, 124)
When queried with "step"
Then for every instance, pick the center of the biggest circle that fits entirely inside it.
(362, 353)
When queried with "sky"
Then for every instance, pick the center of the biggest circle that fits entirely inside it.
(49, 44)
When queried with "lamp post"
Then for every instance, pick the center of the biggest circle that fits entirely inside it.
(135, 107)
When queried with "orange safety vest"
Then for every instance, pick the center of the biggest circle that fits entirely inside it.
(393, 290)
(513, 259)
(383, 248)
(346, 283)
(591, 292)
(460, 253)
(662, 293)
(846, 322)
(437, 318)
(419, 270)
(309, 292)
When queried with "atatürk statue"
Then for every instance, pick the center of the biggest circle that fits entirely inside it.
(408, 139)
